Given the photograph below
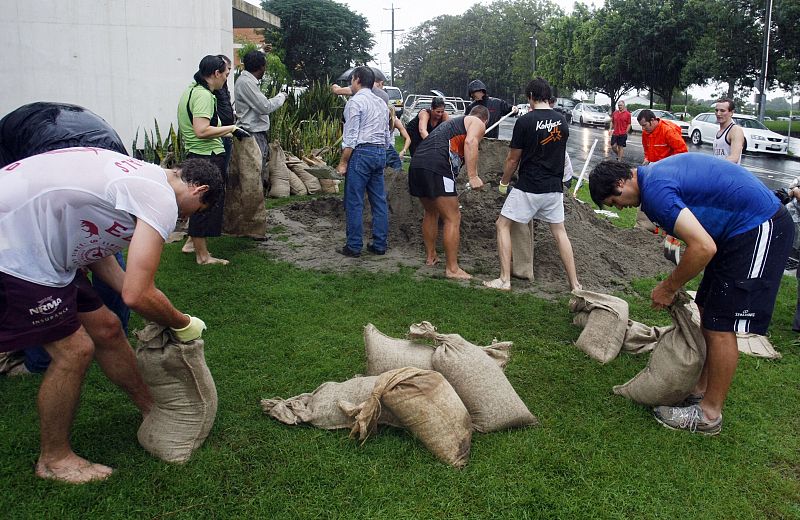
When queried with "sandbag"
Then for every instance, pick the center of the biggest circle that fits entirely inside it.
(492, 402)
(756, 345)
(385, 353)
(245, 212)
(278, 172)
(296, 186)
(522, 250)
(183, 391)
(675, 364)
(641, 338)
(320, 408)
(298, 167)
(329, 185)
(604, 319)
(426, 405)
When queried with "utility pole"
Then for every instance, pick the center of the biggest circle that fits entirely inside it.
(392, 30)
(762, 87)
(533, 50)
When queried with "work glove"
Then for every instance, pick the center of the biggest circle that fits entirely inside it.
(240, 134)
(192, 331)
(503, 189)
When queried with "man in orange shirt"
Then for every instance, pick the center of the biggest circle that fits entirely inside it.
(660, 138)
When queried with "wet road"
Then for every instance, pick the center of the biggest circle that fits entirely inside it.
(774, 171)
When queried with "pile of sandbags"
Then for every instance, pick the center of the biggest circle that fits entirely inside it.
(185, 398)
(439, 387)
(299, 167)
(290, 175)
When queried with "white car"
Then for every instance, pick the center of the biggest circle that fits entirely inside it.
(592, 115)
(661, 114)
(524, 108)
(757, 137)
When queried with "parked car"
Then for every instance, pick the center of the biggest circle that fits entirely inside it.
(782, 118)
(421, 103)
(395, 99)
(523, 108)
(592, 115)
(757, 137)
(565, 106)
(661, 114)
(683, 116)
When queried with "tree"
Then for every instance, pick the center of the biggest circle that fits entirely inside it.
(786, 42)
(320, 38)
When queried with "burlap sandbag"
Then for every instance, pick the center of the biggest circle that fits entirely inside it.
(492, 402)
(604, 319)
(245, 213)
(296, 186)
(183, 390)
(329, 185)
(278, 172)
(385, 353)
(641, 338)
(674, 365)
(320, 408)
(522, 250)
(426, 405)
(311, 182)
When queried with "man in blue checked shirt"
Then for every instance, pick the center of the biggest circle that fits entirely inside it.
(364, 142)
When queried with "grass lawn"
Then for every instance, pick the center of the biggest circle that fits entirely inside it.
(275, 330)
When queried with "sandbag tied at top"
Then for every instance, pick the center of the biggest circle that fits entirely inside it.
(641, 338)
(604, 319)
(676, 362)
(426, 405)
(320, 408)
(245, 212)
(492, 402)
(385, 353)
(279, 173)
(184, 395)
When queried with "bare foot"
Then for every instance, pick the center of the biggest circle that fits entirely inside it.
(498, 284)
(432, 261)
(576, 287)
(188, 247)
(73, 470)
(211, 260)
(457, 275)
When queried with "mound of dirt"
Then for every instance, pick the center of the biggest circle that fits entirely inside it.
(308, 234)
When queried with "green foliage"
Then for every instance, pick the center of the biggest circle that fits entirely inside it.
(275, 330)
(167, 152)
(320, 38)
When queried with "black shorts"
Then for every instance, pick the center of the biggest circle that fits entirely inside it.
(427, 184)
(208, 223)
(740, 283)
(33, 314)
(620, 140)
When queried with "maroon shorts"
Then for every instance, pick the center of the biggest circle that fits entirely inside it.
(33, 314)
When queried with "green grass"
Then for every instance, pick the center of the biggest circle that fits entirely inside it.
(275, 330)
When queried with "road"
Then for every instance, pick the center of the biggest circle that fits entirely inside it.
(774, 171)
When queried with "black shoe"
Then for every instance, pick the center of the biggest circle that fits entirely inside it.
(374, 251)
(346, 251)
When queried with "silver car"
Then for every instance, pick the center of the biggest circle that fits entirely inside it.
(592, 115)
(661, 114)
(757, 137)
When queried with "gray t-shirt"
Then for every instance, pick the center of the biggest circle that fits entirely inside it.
(381, 94)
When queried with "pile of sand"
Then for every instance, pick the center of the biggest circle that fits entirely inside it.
(606, 257)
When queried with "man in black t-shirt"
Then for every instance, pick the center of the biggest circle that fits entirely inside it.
(538, 145)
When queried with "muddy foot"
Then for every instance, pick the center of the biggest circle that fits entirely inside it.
(432, 261)
(498, 284)
(211, 260)
(188, 247)
(457, 275)
(73, 470)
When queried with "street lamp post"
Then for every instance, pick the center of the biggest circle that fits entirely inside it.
(533, 49)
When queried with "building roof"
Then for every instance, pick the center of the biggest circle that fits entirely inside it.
(246, 15)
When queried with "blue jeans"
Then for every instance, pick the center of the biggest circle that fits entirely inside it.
(36, 357)
(393, 159)
(365, 173)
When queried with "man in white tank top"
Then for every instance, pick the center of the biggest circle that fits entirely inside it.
(729, 141)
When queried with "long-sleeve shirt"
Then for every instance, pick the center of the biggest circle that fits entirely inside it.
(252, 106)
(366, 120)
(664, 141)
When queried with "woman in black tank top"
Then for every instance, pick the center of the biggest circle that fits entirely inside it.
(429, 119)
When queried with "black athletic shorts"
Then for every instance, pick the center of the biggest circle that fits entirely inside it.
(741, 282)
(427, 184)
(620, 140)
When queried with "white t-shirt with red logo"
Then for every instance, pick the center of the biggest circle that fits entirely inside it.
(66, 209)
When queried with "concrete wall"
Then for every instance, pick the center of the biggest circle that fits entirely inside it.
(127, 60)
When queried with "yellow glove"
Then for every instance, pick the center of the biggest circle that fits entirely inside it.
(192, 331)
(503, 189)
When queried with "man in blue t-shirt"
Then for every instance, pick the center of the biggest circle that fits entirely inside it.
(736, 230)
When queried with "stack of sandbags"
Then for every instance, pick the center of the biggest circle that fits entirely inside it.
(321, 408)
(604, 319)
(675, 364)
(245, 213)
(425, 404)
(185, 398)
(279, 173)
(299, 168)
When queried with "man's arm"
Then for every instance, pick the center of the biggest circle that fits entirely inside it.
(341, 91)
(249, 94)
(736, 135)
(511, 164)
(675, 140)
(109, 270)
(646, 147)
(700, 249)
(138, 289)
(475, 130)
(352, 122)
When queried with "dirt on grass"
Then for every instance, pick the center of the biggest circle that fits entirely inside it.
(309, 233)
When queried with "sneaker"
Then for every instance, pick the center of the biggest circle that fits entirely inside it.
(374, 251)
(689, 418)
(690, 400)
(791, 263)
(346, 251)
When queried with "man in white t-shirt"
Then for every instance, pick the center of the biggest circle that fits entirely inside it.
(70, 209)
